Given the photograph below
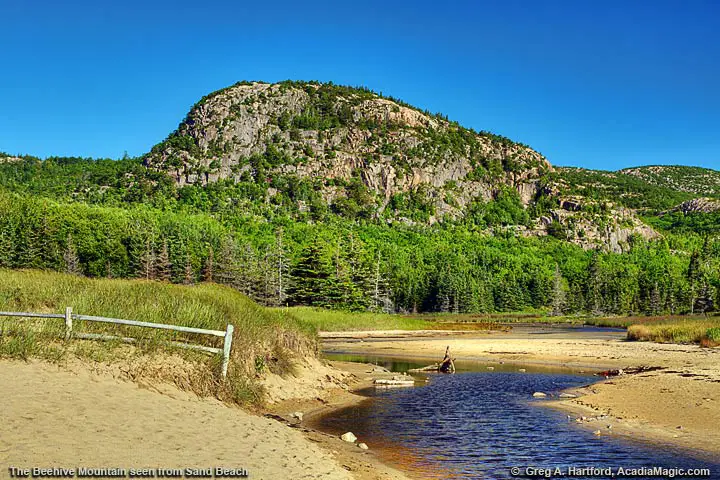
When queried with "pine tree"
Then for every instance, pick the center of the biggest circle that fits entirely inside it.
(249, 278)
(282, 265)
(189, 271)
(594, 287)
(7, 248)
(147, 261)
(380, 291)
(694, 275)
(163, 269)
(209, 270)
(558, 293)
(654, 300)
(70, 256)
(227, 270)
(28, 250)
(47, 248)
(312, 279)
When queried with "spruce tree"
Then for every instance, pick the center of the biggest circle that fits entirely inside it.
(6, 248)
(147, 261)
(558, 293)
(163, 269)
(694, 275)
(380, 290)
(312, 279)
(209, 269)
(70, 256)
(594, 286)
(226, 267)
(654, 300)
(189, 278)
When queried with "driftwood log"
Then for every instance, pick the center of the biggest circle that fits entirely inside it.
(430, 368)
(443, 367)
(393, 382)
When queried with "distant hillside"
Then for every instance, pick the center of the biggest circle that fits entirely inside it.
(632, 191)
(694, 180)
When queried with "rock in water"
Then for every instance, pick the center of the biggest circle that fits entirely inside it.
(568, 395)
(363, 446)
(539, 395)
(349, 437)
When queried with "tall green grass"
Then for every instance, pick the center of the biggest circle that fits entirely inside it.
(340, 321)
(262, 337)
(704, 331)
(337, 320)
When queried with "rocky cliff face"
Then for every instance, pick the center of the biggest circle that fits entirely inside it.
(343, 143)
(333, 135)
(702, 205)
(609, 228)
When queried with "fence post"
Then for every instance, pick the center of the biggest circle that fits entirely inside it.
(226, 349)
(68, 323)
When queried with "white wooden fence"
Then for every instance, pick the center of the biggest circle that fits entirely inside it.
(69, 317)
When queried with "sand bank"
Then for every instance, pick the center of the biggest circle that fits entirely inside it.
(53, 417)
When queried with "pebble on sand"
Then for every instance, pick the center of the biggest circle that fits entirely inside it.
(363, 446)
(348, 437)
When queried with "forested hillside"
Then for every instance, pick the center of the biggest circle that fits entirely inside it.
(345, 199)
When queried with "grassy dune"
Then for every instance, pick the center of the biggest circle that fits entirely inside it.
(262, 339)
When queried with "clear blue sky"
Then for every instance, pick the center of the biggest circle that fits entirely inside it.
(605, 84)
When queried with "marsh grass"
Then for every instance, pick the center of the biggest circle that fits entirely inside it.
(340, 321)
(668, 328)
(275, 336)
(701, 330)
(337, 320)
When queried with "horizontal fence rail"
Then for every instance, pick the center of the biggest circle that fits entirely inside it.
(32, 315)
(68, 316)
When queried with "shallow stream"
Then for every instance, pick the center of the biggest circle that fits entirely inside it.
(481, 424)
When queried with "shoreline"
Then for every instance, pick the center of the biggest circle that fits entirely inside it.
(673, 406)
(647, 407)
(363, 464)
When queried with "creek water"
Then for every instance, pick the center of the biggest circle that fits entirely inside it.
(480, 424)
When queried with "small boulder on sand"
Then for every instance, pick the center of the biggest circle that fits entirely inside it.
(349, 437)
(539, 395)
(568, 395)
(363, 446)
(298, 415)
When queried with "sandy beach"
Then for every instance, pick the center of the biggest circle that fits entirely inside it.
(58, 417)
(678, 404)
(73, 416)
